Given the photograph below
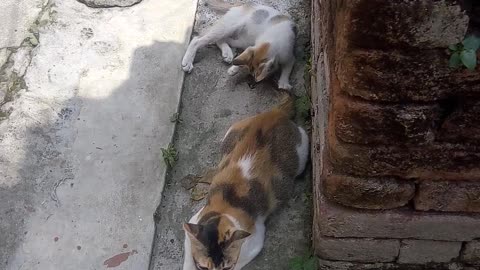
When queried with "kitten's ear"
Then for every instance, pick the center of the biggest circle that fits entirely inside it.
(244, 58)
(192, 229)
(239, 235)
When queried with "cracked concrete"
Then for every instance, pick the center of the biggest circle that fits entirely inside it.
(211, 102)
(89, 95)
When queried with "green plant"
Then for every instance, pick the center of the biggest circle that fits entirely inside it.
(170, 155)
(308, 262)
(303, 106)
(175, 118)
(465, 53)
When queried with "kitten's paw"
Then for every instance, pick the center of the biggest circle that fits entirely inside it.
(233, 70)
(227, 56)
(284, 85)
(187, 67)
(187, 62)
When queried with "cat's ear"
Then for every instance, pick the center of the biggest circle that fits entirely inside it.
(192, 229)
(239, 235)
(244, 58)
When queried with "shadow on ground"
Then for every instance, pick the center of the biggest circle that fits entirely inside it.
(84, 176)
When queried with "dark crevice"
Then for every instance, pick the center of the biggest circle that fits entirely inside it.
(110, 4)
(472, 9)
(449, 107)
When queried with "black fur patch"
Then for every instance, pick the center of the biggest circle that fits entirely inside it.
(261, 139)
(208, 236)
(255, 203)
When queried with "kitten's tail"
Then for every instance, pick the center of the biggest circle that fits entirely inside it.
(220, 6)
(286, 105)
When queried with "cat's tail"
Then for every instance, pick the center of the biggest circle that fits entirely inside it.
(220, 6)
(286, 105)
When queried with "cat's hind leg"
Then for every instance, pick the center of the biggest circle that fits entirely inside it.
(217, 32)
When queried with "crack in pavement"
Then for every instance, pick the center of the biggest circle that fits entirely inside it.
(109, 3)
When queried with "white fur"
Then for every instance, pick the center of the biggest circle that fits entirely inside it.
(226, 134)
(249, 250)
(233, 70)
(188, 263)
(280, 36)
(252, 245)
(234, 221)
(245, 164)
(302, 151)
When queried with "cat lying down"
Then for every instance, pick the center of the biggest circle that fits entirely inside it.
(262, 155)
(266, 36)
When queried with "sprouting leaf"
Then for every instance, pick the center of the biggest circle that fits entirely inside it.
(471, 43)
(455, 60)
(170, 155)
(453, 47)
(469, 59)
(175, 118)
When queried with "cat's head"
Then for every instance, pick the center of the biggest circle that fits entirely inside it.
(258, 61)
(215, 244)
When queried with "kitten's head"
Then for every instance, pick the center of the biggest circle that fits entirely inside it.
(215, 244)
(257, 60)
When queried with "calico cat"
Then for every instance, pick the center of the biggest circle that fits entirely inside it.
(262, 155)
(267, 37)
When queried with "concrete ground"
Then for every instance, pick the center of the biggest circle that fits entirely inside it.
(211, 102)
(86, 98)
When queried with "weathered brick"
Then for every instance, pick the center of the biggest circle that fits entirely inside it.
(453, 196)
(423, 252)
(368, 193)
(341, 265)
(334, 220)
(434, 161)
(471, 253)
(418, 75)
(369, 123)
(462, 123)
(389, 24)
(357, 249)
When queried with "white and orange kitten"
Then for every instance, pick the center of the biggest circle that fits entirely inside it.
(266, 35)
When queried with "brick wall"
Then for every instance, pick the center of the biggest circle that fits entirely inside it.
(396, 149)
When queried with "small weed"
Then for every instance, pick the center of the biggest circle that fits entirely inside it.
(309, 66)
(308, 262)
(465, 53)
(170, 155)
(175, 118)
(3, 115)
(303, 106)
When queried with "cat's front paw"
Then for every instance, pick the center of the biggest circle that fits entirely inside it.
(284, 85)
(187, 67)
(227, 56)
(233, 70)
